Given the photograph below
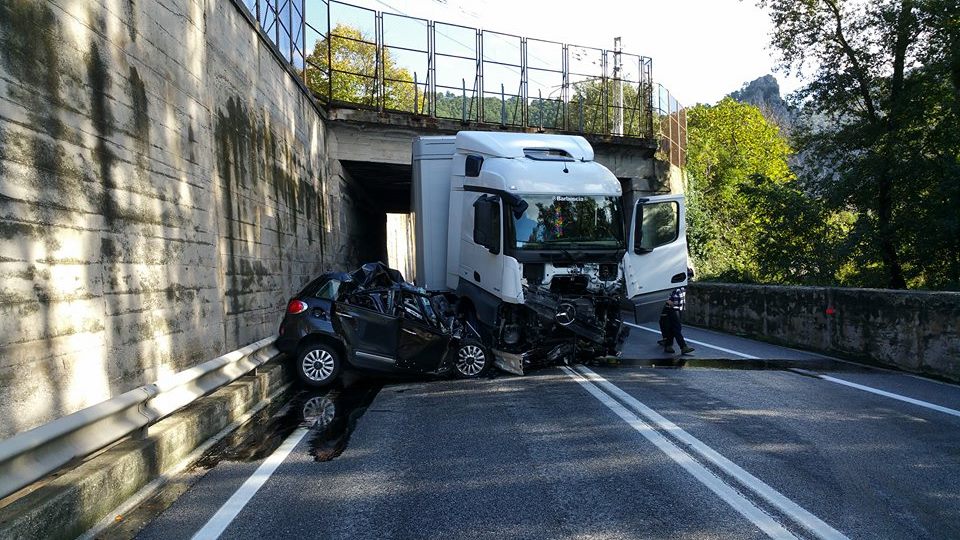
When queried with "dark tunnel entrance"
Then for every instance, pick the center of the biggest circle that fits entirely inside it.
(385, 230)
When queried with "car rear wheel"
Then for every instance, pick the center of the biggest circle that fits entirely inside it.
(318, 365)
(472, 359)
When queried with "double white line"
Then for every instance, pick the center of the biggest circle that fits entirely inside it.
(628, 408)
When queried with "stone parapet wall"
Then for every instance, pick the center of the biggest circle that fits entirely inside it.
(911, 330)
(163, 190)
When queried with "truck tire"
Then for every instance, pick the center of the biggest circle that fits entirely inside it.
(318, 365)
(471, 359)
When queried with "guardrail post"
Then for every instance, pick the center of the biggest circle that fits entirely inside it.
(463, 117)
(379, 84)
(416, 95)
(329, 57)
(524, 84)
(540, 108)
(478, 80)
(580, 100)
(503, 107)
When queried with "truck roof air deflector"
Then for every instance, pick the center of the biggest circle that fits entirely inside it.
(548, 154)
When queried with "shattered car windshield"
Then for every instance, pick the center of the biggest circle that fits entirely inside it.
(562, 221)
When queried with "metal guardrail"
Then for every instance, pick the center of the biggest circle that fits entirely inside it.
(33, 454)
(359, 57)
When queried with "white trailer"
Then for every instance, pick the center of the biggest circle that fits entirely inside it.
(530, 234)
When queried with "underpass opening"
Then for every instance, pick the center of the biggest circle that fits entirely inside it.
(385, 213)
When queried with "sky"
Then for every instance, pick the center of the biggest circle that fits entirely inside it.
(702, 49)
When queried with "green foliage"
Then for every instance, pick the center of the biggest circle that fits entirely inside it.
(353, 58)
(748, 219)
(882, 133)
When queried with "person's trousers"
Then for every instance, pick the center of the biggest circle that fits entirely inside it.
(665, 322)
(674, 328)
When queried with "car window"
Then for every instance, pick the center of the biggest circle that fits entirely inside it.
(412, 309)
(364, 300)
(329, 290)
(380, 301)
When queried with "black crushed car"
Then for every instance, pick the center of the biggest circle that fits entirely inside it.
(372, 319)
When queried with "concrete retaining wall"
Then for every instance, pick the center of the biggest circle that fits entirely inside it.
(163, 189)
(915, 331)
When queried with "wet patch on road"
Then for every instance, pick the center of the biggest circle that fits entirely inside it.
(331, 414)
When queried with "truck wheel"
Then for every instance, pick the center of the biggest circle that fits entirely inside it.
(318, 365)
(472, 359)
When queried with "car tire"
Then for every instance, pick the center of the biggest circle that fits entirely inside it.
(318, 365)
(471, 359)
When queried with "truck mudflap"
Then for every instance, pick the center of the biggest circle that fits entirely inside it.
(547, 355)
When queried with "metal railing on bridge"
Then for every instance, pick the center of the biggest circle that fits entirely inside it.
(362, 58)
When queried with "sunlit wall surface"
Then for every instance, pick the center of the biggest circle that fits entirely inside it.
(164, 189)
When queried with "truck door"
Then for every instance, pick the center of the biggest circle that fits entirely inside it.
(656, 258)
(481, 245)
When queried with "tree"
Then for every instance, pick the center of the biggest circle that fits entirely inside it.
(882, 107)
(748, 218)
(356, 72)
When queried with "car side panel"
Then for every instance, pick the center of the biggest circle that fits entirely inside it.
(370, 337)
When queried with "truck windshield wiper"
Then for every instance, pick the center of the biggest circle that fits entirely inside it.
(573, 257)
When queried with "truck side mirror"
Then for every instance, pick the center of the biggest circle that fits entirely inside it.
(486, 223)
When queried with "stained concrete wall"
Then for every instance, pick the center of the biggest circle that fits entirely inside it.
(164, 187)
(916, 331)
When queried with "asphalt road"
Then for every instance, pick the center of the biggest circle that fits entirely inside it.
(745, 440)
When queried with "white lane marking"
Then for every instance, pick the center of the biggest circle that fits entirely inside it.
(807, 520)
(891, 395)
(730, 351)
(738, 502)
(228, 512)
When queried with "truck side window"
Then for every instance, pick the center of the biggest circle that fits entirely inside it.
(658, 224)
(486, 222)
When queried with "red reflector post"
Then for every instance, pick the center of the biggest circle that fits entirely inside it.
(296, 306)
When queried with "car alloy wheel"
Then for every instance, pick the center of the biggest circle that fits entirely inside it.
(318, 365)
(471, 360)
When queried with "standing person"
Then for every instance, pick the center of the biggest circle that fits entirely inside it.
(675, 329)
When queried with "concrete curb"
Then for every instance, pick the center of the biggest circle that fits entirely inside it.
(74, 500)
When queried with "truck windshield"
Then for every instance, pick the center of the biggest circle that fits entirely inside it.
(564, 221)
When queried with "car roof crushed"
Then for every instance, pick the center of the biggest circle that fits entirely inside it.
(376, 276)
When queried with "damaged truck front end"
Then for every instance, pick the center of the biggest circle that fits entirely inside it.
(570, 311)
(568, 251)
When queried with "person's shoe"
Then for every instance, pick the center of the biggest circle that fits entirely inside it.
(687, 350)
(668, 350)
(662, 342)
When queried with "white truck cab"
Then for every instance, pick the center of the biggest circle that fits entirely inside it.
(531, 234)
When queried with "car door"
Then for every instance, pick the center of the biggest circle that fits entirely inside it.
(367, 323)
(423, 342)
(656, 258)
